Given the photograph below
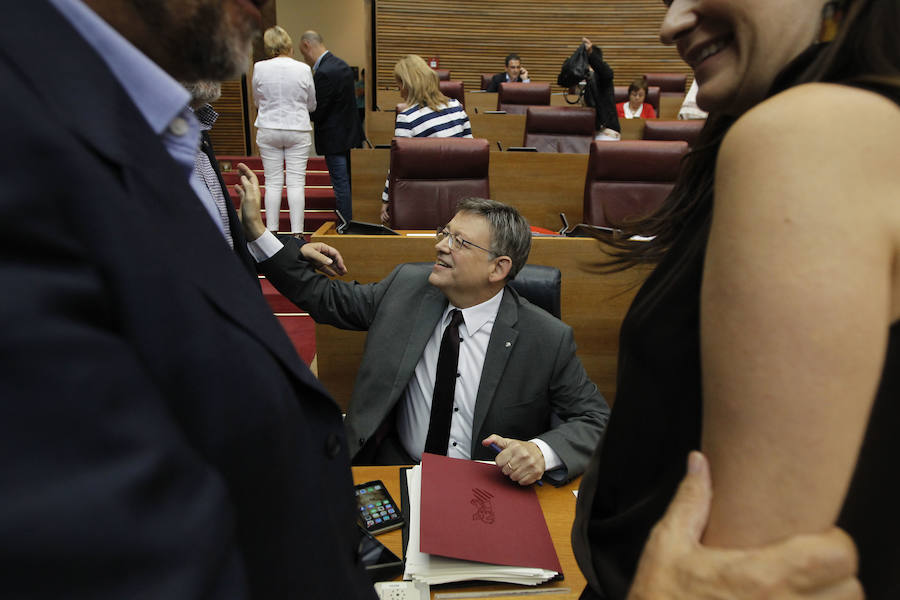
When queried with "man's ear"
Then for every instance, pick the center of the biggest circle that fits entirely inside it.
(500, 267)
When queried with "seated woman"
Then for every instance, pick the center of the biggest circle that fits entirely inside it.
(636, 108)
(769, 332)
(427, 112)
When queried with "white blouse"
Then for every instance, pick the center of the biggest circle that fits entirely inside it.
(284, 93)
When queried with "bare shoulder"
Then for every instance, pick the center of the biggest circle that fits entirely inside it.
(829, 139)
(838, 116)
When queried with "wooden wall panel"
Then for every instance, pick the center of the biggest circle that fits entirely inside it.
(228, 133)
(473, 37)
(235, 122)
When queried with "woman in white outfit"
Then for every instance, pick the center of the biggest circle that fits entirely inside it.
(284, 94)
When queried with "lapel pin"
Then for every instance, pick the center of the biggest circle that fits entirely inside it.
(508, 344)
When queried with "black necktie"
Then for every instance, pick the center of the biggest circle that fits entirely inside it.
(444, 387)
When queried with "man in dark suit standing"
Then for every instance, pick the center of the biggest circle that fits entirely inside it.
(514, 73)
(159, 436)
(336, 119)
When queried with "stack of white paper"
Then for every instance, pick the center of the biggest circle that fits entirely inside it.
(435, 570)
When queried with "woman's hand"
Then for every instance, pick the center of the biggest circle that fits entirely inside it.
(386, 214)
(248, 190)
(675, 565)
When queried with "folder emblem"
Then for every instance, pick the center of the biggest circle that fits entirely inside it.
(484, 510)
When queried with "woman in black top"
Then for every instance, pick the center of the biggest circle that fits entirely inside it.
(776, 294)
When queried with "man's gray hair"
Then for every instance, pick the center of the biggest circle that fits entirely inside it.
(203, 92)
(510, 233)
(312, 36)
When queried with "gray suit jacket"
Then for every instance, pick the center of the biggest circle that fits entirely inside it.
(532, 384)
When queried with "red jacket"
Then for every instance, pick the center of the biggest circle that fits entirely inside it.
(647, 111)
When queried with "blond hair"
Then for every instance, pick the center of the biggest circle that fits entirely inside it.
(420, 81)
(277, 41)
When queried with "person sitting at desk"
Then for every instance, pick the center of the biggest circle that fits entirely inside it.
(636, 107)
(514, 73)
(426, 113)
(517, 372)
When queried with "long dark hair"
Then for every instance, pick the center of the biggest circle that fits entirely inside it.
(865, 52)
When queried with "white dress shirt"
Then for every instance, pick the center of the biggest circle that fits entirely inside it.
(285, 94)
(414, 411)
(633, 114)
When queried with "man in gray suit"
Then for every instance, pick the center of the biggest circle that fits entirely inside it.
(518, 383)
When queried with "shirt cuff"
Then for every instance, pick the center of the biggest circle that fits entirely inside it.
(551, 458)
(264, 247)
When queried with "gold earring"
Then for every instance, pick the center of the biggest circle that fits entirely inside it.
(832, 16)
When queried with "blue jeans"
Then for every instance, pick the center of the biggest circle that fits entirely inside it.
(339, 169)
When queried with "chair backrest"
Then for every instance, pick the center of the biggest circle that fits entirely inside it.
(629, 179)
(429, 176)
(539, 284)
(486, 80)
(515, 98)
(653, 93)
(559, 128)
(454, 89)
(667, 82)
(443, 74)
(667, 130)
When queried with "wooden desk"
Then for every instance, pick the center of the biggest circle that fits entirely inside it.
(632, 129)
(540, 184)
(481, 101)
(592, 304)
(669, 106)
(559, 512)
(387, 99)
(380, 126)
(507, 129)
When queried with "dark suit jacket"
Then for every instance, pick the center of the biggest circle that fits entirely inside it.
(336, 119)
(237, 231)
(496, 80)
(159, 436)
(531, 376)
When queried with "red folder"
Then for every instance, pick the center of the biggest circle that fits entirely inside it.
(470, 510)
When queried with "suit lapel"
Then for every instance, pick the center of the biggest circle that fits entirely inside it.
(430, 310)
(234, 224)
(502, 342)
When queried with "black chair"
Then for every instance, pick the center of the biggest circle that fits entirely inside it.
(540, 285)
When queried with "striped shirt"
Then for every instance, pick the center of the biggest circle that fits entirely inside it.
(450, 121)
(421, 121)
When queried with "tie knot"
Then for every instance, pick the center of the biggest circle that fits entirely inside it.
(456, 317)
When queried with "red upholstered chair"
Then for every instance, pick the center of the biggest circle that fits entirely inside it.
(454, 89)
(667, 82)
(515, 98)
(671, 85)
(559, 129)
(621, 95)
(666, 130)
(486, 80)
(629, 179)
(429, 176)
(443, 74)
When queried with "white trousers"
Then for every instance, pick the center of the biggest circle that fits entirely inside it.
(284, 153)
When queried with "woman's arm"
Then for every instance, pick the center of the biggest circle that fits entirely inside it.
(796, 306)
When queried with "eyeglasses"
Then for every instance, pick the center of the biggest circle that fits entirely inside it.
(454, 241)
